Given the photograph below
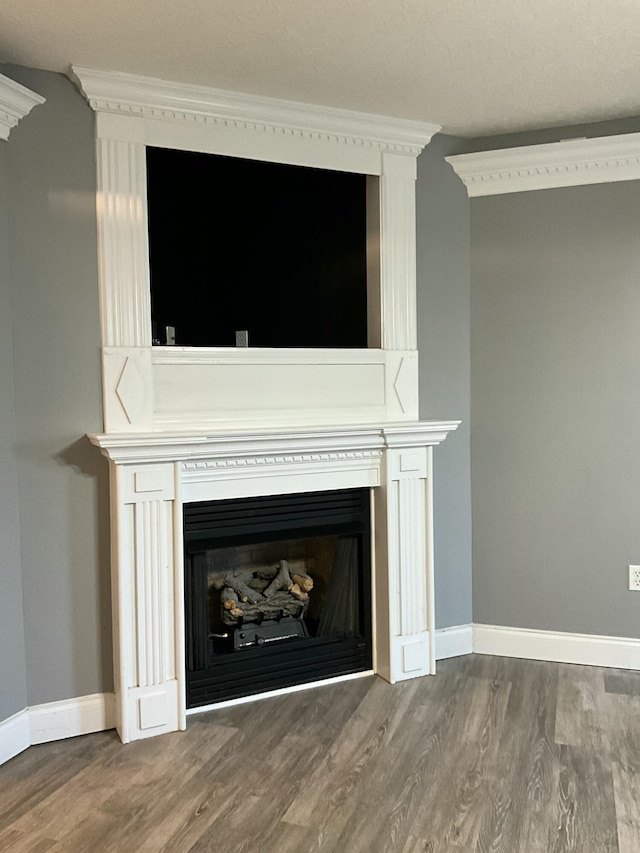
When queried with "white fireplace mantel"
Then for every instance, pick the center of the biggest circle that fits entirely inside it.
(152, 477)
(188, 424)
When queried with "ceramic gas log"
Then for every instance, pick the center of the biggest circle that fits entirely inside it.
(253, 594)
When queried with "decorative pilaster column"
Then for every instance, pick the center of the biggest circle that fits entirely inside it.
(404, 553)
(398, 252)
(147, 598)
(125, 307)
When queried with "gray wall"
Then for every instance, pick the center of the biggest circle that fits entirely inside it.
(58, 482)
(555, 134)
(13, 680)
(555, 404)
(55, 318)
(443, 343)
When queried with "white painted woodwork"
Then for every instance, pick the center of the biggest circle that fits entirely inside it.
(71, 717)
(180, 423)
(404, 559)
(144, 577)
(559, 646)
(154, 475)
(14, 735)
(127, 389)
(178, 388)
(16, 101)
(200, 390)
(123, 243)
(55, 721)
(151, 98)
(569, 163)
(398, 252)
(246, 386)
(453, 642)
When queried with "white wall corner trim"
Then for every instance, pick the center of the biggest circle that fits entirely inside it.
(14, 735)
(16, 101)
(148, 97)
(454, 642)
(568, 163)
(558, 646)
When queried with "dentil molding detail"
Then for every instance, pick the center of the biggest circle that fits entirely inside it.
(285, 459)
(16, 101)
(569, 163)
(147, 97)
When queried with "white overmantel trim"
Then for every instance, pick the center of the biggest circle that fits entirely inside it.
(148, 390)
(568, 163)
(147, 97)
(16, 101)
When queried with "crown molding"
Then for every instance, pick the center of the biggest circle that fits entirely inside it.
(16, 101)
(148, 97)
(570, 163)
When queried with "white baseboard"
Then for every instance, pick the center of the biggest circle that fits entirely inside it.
(557, 646)
(72, 717)
(86, 714)
(453, 642)
(14, 735)
(55, 721)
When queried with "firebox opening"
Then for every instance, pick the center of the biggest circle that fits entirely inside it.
(277, 592)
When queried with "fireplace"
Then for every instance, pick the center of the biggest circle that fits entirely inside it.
(277, 592)
(155, 477)
(187, 425)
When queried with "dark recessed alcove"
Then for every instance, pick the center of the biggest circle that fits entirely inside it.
(239, 244)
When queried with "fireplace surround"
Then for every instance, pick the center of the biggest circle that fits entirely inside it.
(277, 592)
(184, 425)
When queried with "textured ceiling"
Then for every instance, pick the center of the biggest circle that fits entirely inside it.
(474, 67)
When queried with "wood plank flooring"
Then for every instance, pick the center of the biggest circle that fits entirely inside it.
(492, 754)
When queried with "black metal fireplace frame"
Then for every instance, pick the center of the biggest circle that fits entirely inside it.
(224, 523)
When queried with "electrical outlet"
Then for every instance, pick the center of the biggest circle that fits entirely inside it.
(242, 338)
(634, 578)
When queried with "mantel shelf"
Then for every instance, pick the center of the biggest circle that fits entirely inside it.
(181, 446)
